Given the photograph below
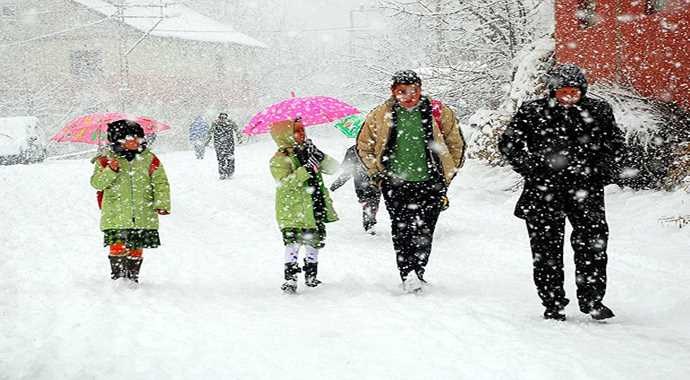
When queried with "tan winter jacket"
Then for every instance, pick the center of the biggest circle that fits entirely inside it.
(449, 145)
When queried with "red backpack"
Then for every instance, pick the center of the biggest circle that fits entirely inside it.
(103, 161)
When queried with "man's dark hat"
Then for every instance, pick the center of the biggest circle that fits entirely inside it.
(406, 77)
(566, 75)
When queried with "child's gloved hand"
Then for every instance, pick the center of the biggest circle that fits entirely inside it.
(114, 165)
(162, 212)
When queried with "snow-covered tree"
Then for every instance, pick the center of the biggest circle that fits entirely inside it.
(470, 46)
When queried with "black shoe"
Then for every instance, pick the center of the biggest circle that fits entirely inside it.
(420, 276)
(598, 311)
(289, 287)
(555, 313)
(291, 270)
(310, 271)
(133, 267)
(557, 310)
(117, 267)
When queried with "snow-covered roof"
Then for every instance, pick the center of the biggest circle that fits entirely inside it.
(180, 21)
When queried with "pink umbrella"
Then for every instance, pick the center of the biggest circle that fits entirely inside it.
(312, 109)
(91, 128)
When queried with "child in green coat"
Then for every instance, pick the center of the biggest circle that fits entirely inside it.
(133, 191)
(303, 204)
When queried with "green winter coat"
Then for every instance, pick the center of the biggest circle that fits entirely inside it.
(131, 195)
(294, 205)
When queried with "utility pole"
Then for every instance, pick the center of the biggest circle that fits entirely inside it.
(124, 64)
(124, 51)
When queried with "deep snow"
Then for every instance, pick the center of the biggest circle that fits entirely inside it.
(209, 305)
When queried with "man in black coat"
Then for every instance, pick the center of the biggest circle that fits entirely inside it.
(567, 147)
(223, 131)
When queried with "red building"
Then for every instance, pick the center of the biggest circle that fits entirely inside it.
(644, 44)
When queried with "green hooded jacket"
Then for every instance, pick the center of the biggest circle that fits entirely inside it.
(131, 195)
(294, 205)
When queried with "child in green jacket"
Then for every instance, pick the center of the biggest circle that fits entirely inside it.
(133, 191)
(303, 204)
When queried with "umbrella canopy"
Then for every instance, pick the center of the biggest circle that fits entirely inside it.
(312, 109)
(92, 128)
(350, 125)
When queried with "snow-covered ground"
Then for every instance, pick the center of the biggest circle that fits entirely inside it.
(209, 305)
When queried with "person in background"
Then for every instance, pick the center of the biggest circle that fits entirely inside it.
(368, 194)
(223, 131)
(198, 133)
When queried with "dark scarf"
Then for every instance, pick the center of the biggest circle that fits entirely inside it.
(129, 155)
(432, 160)
(317, 196)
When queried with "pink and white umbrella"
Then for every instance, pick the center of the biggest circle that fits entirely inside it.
(312, 109)
(92, 128)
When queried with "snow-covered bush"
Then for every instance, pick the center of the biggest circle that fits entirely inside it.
(656, 135)
(487, 126)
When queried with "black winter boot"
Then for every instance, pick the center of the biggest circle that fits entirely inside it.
(310, 271)
(597, 311)
(117, 267)
(557, 310)
(290, 285)
(133, 267)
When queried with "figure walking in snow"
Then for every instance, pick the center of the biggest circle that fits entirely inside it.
(369, 195)
(198, 133)
(223, 132)
(133, 191)
(303, 204)
(567, 147)
(412, 148)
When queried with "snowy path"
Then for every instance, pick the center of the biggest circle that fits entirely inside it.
(210, 307)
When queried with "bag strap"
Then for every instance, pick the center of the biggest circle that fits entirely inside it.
(436, 108)
(155, 163)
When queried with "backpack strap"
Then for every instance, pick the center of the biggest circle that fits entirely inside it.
(103, 161)
(436, 108)
(155, 163)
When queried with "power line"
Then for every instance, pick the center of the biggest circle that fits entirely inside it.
(57, 33)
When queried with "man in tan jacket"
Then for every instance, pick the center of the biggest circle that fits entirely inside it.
(412, 148)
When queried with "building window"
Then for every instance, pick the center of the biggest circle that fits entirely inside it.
(654, 6)
(586, 13)
(9, 11)
(86, 64)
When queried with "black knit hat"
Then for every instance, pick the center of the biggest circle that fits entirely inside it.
(119, 129)
(566, 75)
(406, 77)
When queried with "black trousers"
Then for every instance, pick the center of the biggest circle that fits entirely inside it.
(414, 208)
(588, 239)
(225, 153)
(370, 207)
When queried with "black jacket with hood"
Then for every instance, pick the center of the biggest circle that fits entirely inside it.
(560, 151)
